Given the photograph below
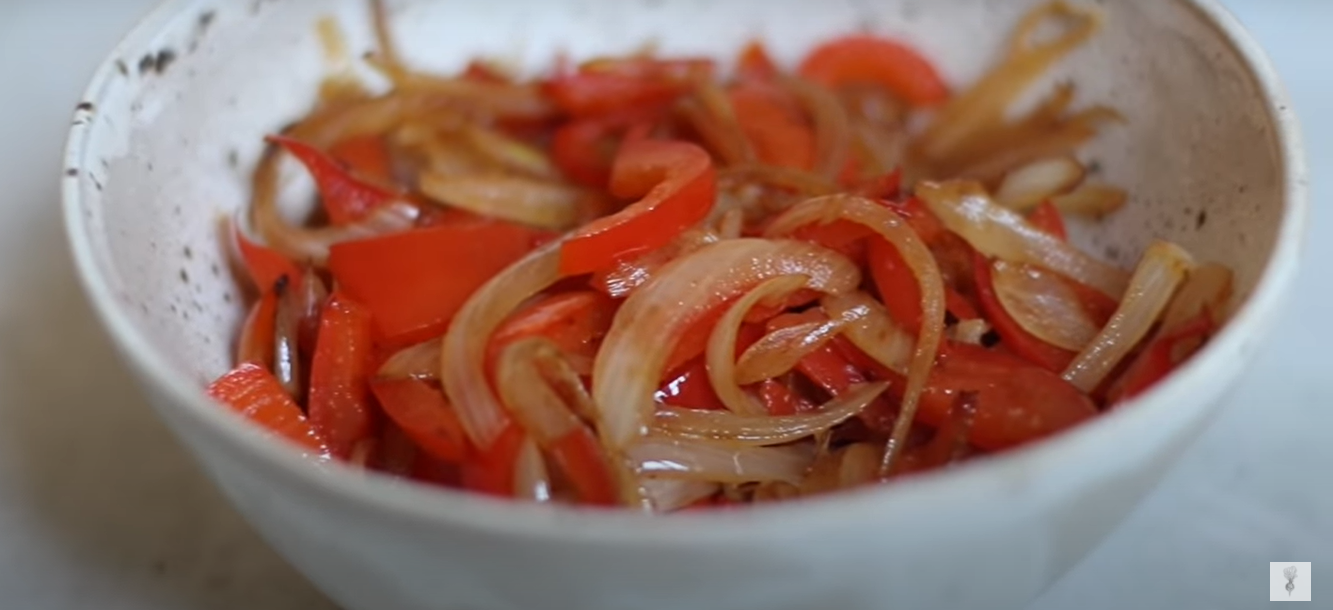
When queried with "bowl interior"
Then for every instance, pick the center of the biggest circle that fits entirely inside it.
(165, 152)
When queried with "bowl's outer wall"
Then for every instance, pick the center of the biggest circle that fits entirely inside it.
(177, 125)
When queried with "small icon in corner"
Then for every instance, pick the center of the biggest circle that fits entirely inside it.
(1290, 581)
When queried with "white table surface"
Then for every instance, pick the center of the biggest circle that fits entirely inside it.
(101, 509)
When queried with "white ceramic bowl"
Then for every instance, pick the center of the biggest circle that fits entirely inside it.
(173, 123)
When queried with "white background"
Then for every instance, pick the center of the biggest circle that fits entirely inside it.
(1302, 587)
(100, 509)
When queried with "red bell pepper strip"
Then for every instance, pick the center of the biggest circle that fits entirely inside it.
(677, 183)
(579, 455)
(265, 265)
(1046, 217)
(688, 387)
(396, 453)
(415, 281)
(1012, 334)
(888, 63)
(259, 332)
(345, 197)
(253, 391)
(340, 404)
(694, 340)
(778, 399)
(587, 94)
(754, 63)
(367, 156)
(779, 134)
(1161, 356)
(584, 149)
(843, 236)
(431, 471)
(421, 411)
(1017, 402)
(884, 187)
(574, 321)
(491, 471)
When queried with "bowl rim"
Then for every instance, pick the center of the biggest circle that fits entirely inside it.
(995, 476)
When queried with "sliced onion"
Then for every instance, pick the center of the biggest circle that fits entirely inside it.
(1207, 288)
(463, 351)
(630, 364)
(510, 153)
(699, 460)
(1063, 138)
(1028, 186)
(986, 103)
(999, 232)
(287, 336)
(712, 116)
(1091, 199)
(884, 148)
(833, 132)
(969, 331)
(923, 266)
(666, 495)
(799, 181)
(532, 480)
(1044, 304)
(538, 203)
(545, 409)
(728, 427)
(1163, 267)
(420, 361)
(629, 274)
(387, 50)
(872, 330)
(730, 224)
(312, 245)
(721, 351)
(778, 352)
(844, 468)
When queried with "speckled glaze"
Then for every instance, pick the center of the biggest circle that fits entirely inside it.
(161, 151)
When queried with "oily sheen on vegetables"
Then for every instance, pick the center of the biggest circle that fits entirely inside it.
(668, 285)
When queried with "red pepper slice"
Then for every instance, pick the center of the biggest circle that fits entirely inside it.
(677, 182)
(688, 387)
(395, 454)
(415, 281)
(253, 391)
(265, 265)
(422, 412)
(1012, 334)
(588, 94)
(888, 63)
(1017, 402)
(779, 134)
(491, 471)
(367, 156)
(754, 63)
(259, 332)
(843, 236)
(1046, 217)
(346, 198)
(1160, 358)
(779, 399)
(340, 406)
(584, 149)
(579, 455)
(884, 187)
(574, 321)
